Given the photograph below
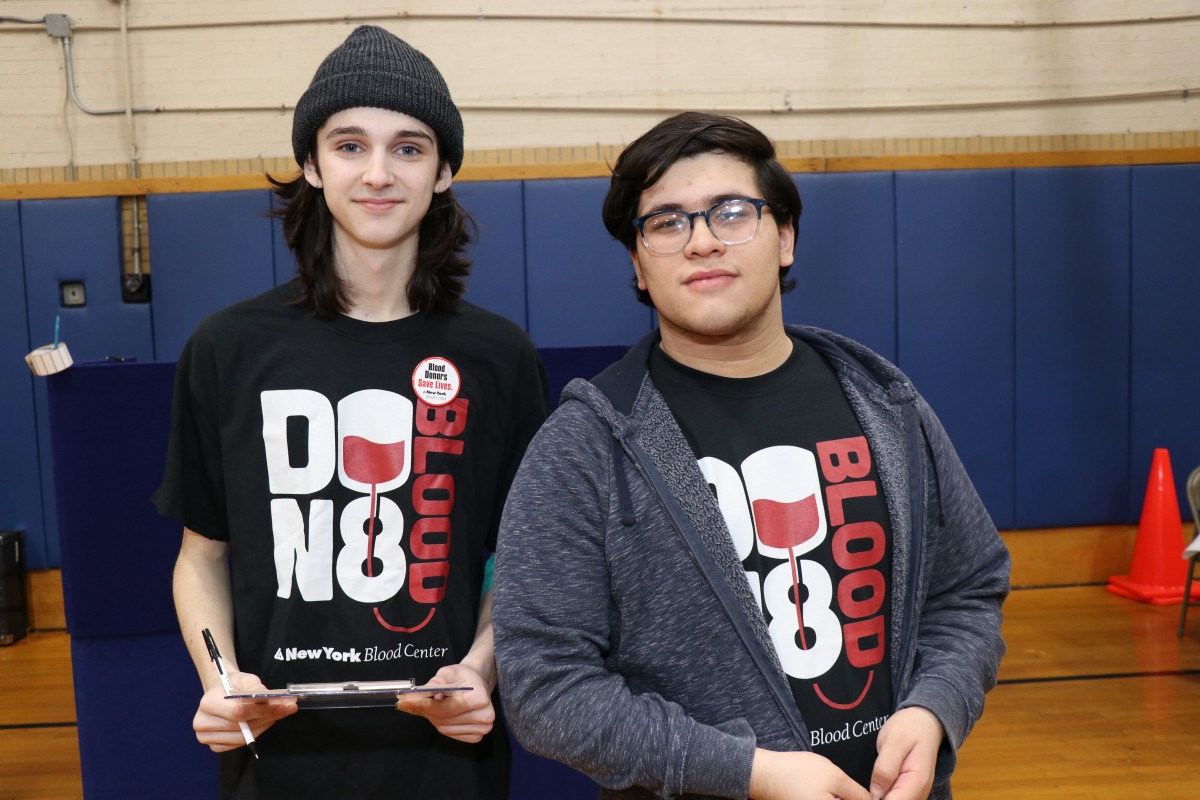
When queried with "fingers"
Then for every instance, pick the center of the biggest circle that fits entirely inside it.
(908, 745)
(892, 752)
(452, 709)
(467, 732)
(470, 726)
(467, 716)
(800, 776)
(887, 769)
(216, 720)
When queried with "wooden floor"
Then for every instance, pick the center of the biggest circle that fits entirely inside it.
(1098, 699)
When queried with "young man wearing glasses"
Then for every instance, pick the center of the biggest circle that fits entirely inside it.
(745, 560)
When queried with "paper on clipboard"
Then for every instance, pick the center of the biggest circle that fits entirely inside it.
(346, 694)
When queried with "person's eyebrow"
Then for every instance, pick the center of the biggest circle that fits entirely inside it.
(663, 207)
(356, 130)
(346, 130)
(406, 134)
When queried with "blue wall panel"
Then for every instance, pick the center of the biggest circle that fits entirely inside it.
(955, 265)
(20, 479)
(497, 280)
(1073, 322)
(207, 251)
(845, 267)
(580, 280)
(1166, 324)
(68, 240)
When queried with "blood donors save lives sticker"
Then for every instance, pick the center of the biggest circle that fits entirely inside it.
(436, 381)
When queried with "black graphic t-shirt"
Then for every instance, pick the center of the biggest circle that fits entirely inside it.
(792, 473)
(358, 471)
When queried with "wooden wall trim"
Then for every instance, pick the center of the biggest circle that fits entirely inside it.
(1071, 556)
(962, 161)
(125, 187)
(44, 599)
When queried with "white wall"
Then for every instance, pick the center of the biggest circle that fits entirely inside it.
(223, 75)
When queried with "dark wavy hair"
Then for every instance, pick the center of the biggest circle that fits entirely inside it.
(694, 133)
(437, 282)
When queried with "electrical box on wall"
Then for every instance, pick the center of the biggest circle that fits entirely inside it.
(58, 26)
(74, 294)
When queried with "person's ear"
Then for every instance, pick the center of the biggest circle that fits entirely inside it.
(787, 244)
(312, 174)
(445, 178)
(637, 270)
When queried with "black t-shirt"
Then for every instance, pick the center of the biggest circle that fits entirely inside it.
(358, 471)
(791, 470)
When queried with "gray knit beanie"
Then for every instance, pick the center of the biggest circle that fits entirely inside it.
(375, 69)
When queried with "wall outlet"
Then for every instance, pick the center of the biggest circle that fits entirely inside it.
(73, 294)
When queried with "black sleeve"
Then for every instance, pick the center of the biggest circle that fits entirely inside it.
(193, 485)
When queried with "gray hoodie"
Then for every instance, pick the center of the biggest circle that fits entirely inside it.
(628, 641)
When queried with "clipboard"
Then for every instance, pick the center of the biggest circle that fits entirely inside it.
(346, 694)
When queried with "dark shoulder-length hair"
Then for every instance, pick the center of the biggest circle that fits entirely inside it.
(437, 282)
(694, 133)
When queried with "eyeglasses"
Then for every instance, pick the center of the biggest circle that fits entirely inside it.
(731, 222)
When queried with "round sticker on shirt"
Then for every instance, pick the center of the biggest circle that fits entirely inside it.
(436, 381)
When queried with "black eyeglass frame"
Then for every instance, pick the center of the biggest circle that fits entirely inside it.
(759, 204)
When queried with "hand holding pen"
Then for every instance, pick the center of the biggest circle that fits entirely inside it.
(227, 685)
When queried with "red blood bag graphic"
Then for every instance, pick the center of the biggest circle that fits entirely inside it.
(374, 463)
(783, 487)
(375, 437)
(371, 462)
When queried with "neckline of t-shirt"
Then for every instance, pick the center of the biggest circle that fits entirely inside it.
(363, 330)
(754, 386)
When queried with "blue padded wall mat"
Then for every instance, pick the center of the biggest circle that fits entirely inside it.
(1072, 346)
(563, 364)
(67, 240)
(1165, 382)
(135, 697)
(956, 272)
(497, 280)
(20, 480)
(110, 424)
(845, 266)
(76, 239)
(537, 778)
(580, 280)
(207, 251)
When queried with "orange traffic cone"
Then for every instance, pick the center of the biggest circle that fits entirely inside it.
(1158, 572)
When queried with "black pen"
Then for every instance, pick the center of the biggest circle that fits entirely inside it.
(215, 655)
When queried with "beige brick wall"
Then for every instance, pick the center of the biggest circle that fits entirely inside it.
(221, 76)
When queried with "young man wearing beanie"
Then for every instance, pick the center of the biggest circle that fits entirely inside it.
(782, 583)
(340, 452)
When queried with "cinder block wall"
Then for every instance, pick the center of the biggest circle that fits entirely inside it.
(217, 79)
